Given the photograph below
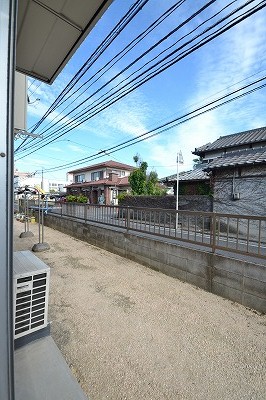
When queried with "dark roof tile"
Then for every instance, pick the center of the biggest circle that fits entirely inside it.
(194, 175)
(244, 157)
(236, 139)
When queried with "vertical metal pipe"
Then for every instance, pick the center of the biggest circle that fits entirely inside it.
(25, 226)
(248, 227)
(213, 231)
(39, 216)
(42, 222)
(7, 68)
(237, 233)
(259, 238)
(127, 217)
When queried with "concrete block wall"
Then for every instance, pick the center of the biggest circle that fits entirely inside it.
(186, 202)
(240, 281)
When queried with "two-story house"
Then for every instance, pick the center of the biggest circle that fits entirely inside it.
(102, 182)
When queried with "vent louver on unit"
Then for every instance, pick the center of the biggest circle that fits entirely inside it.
(30, 289)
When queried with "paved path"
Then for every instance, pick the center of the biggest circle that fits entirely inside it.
(131, 333)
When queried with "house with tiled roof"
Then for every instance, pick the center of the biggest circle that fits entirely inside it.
(236, 165)
(194, 182)
(233, 169)
(101, 183)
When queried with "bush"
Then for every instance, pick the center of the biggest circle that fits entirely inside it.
(76, 199)
(71, 198)
(121, 196)
(82, 199)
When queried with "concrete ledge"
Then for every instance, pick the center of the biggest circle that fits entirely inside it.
(41, 373)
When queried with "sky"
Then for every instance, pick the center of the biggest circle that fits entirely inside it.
(232, 60)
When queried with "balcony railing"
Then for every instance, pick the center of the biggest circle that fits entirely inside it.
(234, 233)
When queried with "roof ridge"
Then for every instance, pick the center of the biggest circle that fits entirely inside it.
(242, 133)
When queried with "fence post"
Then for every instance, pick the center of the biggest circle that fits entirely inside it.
(85, 212)
(213, 235)
(127, 220)
(61, 209)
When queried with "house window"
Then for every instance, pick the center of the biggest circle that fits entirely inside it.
(96, 175)
(123, 173)
(79, 178)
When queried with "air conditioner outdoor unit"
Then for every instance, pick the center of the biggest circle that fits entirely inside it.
(31, 278)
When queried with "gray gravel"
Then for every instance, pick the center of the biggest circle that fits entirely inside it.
(128, 332)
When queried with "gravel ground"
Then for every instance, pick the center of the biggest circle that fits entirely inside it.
(128, 332)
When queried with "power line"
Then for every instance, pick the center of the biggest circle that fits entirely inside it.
(60, 100)
(133, 11)
(119, 27)
(150, 75)
(118, 57)
(138, 58)
(169, 125)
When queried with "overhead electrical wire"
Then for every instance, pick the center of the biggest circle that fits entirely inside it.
(84, 112)
(151, 48)
(154, 73)
(31, 83)
(216, 93)
(104, 152)
(117, 58)
(60, 100)
(34, 90)
(193, 15)
(70, 122)
(119, 27)
(124, 21)
(144, 54)
(169, 125)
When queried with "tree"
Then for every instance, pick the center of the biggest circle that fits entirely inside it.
(136, 159)
(151, 183)
(137, 179)
(142, 183)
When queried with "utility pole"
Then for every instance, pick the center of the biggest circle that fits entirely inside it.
(42, 180)
(179, 160)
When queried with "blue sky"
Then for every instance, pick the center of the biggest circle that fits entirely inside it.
(230, 61)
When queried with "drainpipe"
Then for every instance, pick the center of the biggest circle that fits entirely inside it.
(8, 17)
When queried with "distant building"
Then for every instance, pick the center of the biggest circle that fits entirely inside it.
(21, 179)
(102, 182)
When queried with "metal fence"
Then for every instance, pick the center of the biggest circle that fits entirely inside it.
(233, 233)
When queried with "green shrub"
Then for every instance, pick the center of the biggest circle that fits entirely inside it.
(71, 198)
(82, 199)
(76, 199)
(121, 196)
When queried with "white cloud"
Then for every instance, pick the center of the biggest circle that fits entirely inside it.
(236, 57)
(231, 58)
(76, 149)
